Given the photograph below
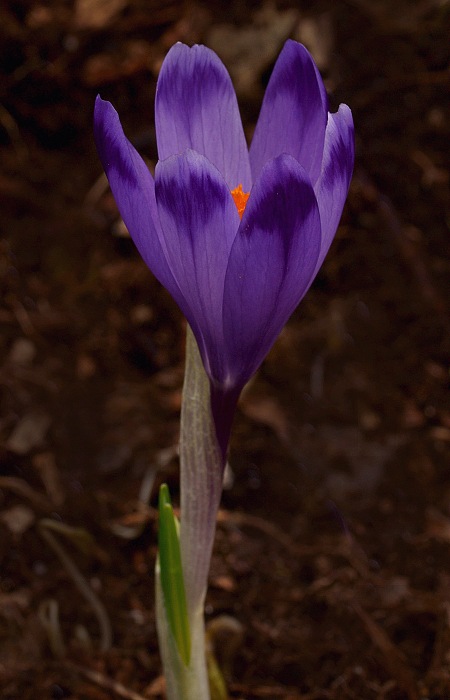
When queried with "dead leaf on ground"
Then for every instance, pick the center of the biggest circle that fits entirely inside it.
(96, 14)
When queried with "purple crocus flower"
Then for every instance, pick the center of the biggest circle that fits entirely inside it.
(237, 280)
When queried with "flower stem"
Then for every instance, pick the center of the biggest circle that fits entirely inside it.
(201, 477)
(202, 463)
(183, 682)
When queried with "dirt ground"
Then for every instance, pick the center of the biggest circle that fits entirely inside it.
(331, 573)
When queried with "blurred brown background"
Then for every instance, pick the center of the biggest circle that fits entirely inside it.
(332, 551)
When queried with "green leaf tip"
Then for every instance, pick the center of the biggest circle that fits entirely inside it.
(171, 575)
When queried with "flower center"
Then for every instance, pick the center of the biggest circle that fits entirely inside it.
(240, 199)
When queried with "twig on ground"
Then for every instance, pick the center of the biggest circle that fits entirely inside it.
(226, 517)
(86, 591)
(10, 125)
(392, 658)
(48, 614)
(21, 488)
(105, 682)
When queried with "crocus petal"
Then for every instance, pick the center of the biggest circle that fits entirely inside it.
(337, 167)
(271, 265)
(196, 108)
(293, 114)
(199, 220)
(134, 191)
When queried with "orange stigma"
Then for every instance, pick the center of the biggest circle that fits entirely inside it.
(240, 199)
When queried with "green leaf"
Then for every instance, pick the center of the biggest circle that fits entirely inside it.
(171, 573)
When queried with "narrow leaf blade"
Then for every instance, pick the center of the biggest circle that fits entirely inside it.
(171, 572)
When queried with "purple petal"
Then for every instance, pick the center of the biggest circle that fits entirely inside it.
(196, 108)
(271, 265)
(199, 220)
(337, 167)
(134, 191)
(293, 114)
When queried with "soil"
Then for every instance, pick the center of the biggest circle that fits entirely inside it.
(330, 578)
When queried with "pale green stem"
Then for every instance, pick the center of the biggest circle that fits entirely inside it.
(182, 682)
(201, 475)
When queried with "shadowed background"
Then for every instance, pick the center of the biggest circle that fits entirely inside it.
(332, 547)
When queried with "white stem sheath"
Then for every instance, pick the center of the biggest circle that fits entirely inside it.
(201, 476)
(182, 682)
